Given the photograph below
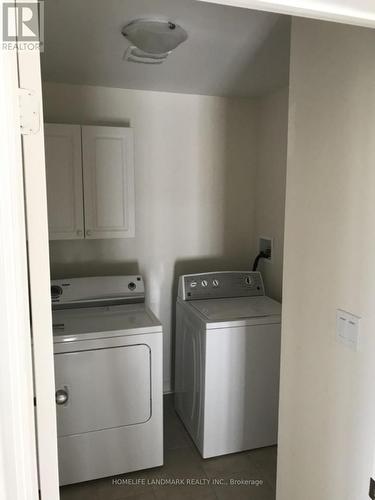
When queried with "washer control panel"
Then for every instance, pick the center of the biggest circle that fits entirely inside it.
(224, 284)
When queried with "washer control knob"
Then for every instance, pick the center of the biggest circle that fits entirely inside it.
(204, 283)
(248, 280)
(215, 283)
(193, 284)
(132, 286)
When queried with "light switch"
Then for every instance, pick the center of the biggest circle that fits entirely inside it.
(347, 329)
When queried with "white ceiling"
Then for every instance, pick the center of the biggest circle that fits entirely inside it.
(229, 52)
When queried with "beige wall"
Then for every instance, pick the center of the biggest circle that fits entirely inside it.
(270, 184)
(195, 160)
(327, 414)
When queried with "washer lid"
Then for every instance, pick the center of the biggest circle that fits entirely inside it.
(237, 308)
(102, 322)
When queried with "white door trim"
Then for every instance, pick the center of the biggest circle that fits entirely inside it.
(326, 10)
(18, 464)
(29, 75)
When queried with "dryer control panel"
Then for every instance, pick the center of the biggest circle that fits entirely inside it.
(98, 290)
(220, 285)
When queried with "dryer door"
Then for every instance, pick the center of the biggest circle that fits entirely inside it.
(102, 388)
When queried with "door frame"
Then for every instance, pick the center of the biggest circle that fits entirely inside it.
(22, 271)
(18, 462)
(332, 11)
(29, 75)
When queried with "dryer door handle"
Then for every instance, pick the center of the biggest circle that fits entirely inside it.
(61, 397)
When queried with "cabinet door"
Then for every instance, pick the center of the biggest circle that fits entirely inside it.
(108, 173)
(64, 181)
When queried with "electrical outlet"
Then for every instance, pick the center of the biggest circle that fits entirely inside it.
(371, 493)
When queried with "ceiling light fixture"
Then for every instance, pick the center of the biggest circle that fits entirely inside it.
(152, 40)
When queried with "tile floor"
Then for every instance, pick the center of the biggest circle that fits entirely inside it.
(182, 461)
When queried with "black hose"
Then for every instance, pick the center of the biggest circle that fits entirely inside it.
(261, 255)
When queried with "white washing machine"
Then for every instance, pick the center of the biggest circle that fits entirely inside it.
(227, 361)
(108, 369)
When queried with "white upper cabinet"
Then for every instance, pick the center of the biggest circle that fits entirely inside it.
(108, 174)
(90, 181)
(64, 181)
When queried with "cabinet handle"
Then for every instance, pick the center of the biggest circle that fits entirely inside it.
(79, 232)
(88, 232)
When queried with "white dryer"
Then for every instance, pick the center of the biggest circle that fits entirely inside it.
(108, 370)
(227, 361)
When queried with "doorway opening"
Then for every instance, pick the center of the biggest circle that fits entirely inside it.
(157, 171)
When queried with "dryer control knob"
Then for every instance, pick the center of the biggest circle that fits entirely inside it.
(215, 283)
(193, 284)
(204, 283)
(56, 291)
